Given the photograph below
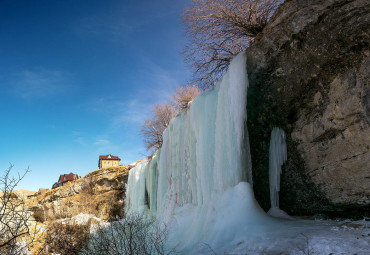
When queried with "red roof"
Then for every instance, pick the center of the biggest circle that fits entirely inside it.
(109, 157)
(69, 177)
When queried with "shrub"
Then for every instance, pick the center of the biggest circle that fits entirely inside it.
(133, 235)
(67, 238)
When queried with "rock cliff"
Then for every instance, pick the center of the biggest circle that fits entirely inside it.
(309, 74)
(100, 193)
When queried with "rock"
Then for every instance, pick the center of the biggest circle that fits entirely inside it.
(309, 74)
(335, 143)
(100, 193)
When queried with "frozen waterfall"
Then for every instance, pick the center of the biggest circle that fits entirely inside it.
(199, 185)
(199, 182)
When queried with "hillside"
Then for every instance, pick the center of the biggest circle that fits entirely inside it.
(100, 193)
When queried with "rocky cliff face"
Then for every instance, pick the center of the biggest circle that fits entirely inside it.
(100, 193)
(309, 74)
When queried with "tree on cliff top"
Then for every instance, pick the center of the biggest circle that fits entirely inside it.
(184, 95)
(153, 127)
(218, 30)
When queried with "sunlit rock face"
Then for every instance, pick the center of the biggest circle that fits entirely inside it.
(309, 74)
(99, 193)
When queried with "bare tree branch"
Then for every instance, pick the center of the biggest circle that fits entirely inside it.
(218, 30)
(153, 128)
(15, 218)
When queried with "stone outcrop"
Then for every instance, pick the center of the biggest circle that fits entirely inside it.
(309, 74)
(100, 193)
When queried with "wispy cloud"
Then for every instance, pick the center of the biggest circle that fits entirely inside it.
(78, 138)
(102, 142)
(104, 145)
(132, 111)
(162, 81)
(120, 23)
(31, 84)
(119, 111)
(81, 141)
(103, 26)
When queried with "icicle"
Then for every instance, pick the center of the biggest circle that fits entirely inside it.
(277, 157)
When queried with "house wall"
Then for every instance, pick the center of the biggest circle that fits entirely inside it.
(108, 163)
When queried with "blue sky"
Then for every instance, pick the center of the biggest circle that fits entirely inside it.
(77, 79)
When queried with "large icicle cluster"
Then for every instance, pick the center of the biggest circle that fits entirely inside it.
(193, 181)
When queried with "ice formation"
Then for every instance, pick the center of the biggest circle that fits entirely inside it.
(204, 158)
(277, 157)
(203, 150)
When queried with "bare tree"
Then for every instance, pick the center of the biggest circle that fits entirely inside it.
(153, 127)
(184, 95)
(218, 30)
(15, 218)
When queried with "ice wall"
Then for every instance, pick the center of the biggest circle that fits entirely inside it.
(277, 157)
(202, 174)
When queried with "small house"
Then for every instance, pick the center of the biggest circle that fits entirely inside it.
(64, 178)
(108, 161)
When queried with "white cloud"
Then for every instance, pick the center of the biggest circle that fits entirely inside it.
(39, 84)
(102, 142)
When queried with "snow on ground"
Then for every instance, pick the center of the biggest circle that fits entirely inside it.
(296, 237)
(301, 237)
(80, 219)
(235, 224)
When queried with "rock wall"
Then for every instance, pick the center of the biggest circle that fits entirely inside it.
(100, 193)
(309, 74)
